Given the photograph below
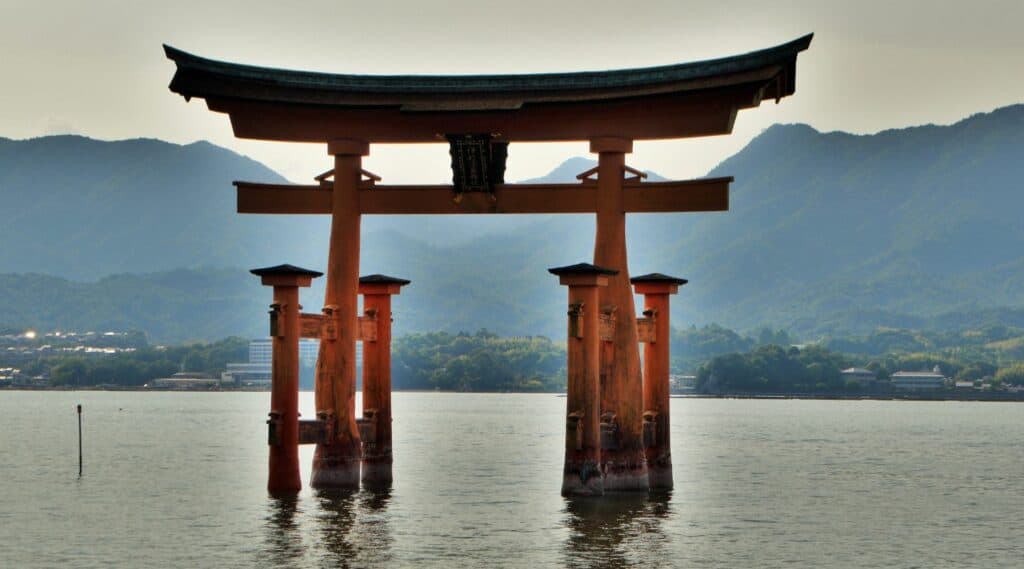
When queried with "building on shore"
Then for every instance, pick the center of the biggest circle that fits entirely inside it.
(186, 380)
(682, 383)
(863, 376)
(918, 380)
(256, 372)
(246, 375)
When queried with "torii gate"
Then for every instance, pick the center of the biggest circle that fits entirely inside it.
(479, 116)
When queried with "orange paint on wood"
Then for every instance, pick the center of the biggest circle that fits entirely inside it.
(283, 465)
(582, 474)
(710, 194)
(377, 457)
(336, 465)
(668, 116)
(624, 467)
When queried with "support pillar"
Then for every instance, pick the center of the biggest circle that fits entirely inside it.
(336, 463)
(283, 435)
(376, 421)
(656, 289)
(582, 472)
(622, 459)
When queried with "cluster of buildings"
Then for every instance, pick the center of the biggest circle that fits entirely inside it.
(253, 374)
(901, 380)
(19, 350)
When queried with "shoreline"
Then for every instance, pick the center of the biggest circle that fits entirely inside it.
(981, 396)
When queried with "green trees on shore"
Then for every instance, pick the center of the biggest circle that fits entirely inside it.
(135, 368)
(477, 362)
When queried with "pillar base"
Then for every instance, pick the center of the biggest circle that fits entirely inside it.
(582, 480)
(335, 468)
(285, 485)
(377, 471)
(625, 472)
(660, 475)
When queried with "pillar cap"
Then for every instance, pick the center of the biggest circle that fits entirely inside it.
(348, 147)
(286, 275)
(601, 144)
(658, 278)
(582, 269)
(583, 274)
(657, 283)
(381, 284)
(383, 279)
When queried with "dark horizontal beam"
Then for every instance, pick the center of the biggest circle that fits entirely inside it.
(709, 194)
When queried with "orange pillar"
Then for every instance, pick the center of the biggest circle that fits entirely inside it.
(622, 459)
(336, 463)
(283, 476)
(581, 475)
(656, 289)
(377, 460)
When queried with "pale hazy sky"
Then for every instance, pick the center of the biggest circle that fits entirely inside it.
(96, 67)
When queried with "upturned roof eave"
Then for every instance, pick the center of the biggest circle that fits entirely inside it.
(200, 77)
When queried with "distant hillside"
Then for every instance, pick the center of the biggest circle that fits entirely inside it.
(835, 227)
(827, 233)
(84, 209)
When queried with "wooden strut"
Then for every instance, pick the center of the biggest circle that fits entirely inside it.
(317, 326)
(708, 194)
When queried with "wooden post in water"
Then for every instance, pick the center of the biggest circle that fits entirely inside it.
(376, 421)
(79, 440)
(656, 289)
(283, 425)
(336, 462)
(582, 472)
(622, 456)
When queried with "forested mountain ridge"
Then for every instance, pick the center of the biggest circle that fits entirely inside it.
(827, 233)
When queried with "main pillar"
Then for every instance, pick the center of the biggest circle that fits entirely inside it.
(656, 289)
(377, 460)
(622, 457)
(582, 473)
(336, 462)
(283, 437)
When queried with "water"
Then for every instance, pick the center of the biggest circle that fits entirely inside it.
(177, 480)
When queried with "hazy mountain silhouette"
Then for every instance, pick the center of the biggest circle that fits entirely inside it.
(826, 232)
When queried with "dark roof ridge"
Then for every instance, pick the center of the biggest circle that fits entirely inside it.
(212, 69)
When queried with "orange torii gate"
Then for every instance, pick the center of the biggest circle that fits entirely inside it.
(479, 116)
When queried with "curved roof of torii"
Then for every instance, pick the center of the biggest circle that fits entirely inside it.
(548, 106)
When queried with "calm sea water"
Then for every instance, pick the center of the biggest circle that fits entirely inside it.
(177, 480)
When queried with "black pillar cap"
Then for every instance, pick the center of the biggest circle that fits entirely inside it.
(658, 278)
(383, 279)
(285, 270)
(582, 269)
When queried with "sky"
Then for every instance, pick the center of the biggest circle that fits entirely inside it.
(97, 68)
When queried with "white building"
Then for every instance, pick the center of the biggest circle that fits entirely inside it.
(919, 380)
(861, 375)
(252, 375)
(185, 380)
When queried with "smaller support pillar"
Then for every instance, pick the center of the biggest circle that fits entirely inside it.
(376, 421)
(656, 289)
(582, 472)
(283, 426)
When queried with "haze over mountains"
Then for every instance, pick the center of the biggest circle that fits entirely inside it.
(826, 233)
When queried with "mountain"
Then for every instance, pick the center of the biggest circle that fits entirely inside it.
(912, 222)
(827, 233)
(84, 209)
